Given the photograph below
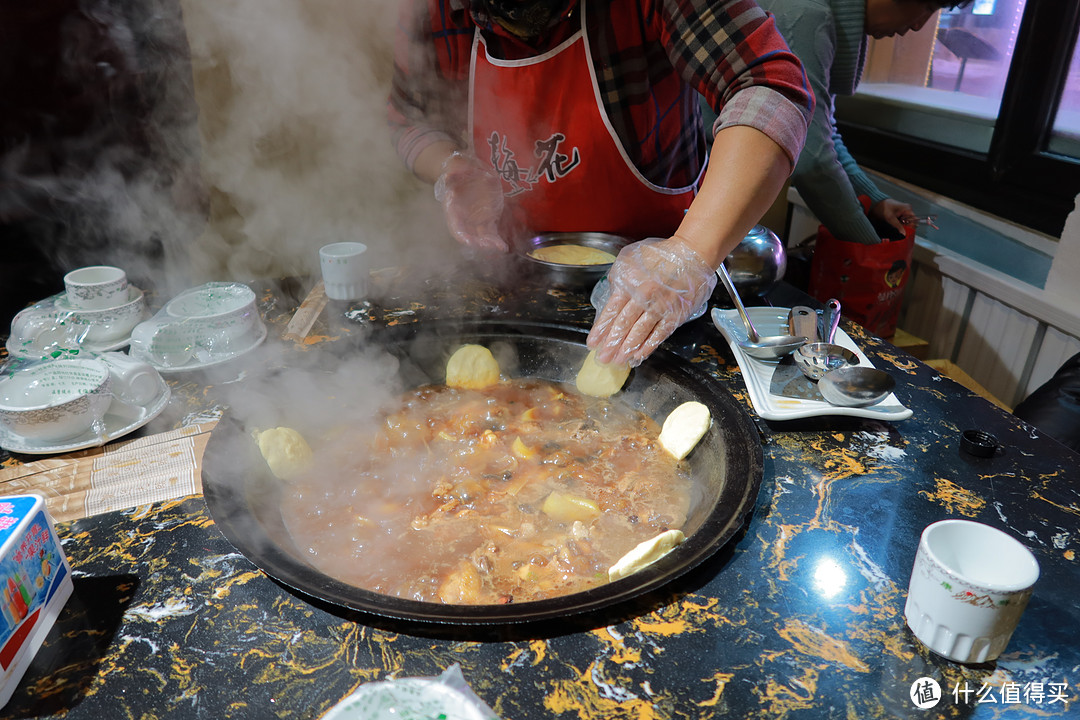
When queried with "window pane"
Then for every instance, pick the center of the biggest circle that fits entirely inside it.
(1065, 138)
(944, 82)
(974, 48)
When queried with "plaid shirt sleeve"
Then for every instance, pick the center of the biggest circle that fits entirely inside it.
(429, 94)
(732, 53)
(649, 56)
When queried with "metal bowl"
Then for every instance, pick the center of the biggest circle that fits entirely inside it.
(245, 499)
(572, 275)
(757, 263)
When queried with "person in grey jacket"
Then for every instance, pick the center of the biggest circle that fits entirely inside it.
(830, 38)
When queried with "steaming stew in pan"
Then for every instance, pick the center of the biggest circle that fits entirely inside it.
(520, 491)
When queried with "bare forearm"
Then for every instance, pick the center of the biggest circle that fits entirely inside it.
(746, 172)
(429, 163)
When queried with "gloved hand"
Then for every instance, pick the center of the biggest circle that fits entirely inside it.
(655, 286)
(472, 199)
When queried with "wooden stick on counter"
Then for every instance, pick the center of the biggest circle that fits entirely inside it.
(306, 314)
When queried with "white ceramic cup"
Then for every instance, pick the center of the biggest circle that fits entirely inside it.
(97, 287)
(969, 587)
(135, 381)
(207, 322)
(344, 270)
(55, 400)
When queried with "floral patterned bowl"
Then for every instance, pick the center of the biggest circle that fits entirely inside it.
(108, 324)
(55, 400)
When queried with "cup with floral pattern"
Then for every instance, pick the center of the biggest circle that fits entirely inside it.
(969, 587)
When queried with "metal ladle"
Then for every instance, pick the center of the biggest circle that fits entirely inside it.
(851, 385)
(763, 347)
(815, 359)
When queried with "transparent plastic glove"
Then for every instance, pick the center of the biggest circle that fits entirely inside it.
(655, 286)
(472, 199)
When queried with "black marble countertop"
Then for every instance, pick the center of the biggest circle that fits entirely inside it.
(799, 616)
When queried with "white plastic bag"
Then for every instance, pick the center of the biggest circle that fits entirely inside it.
(446, 697)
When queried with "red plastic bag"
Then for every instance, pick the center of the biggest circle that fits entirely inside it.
(868, 280)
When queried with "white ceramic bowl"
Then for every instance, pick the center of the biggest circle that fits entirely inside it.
(55, 400)
(107, 324)
(203, 324)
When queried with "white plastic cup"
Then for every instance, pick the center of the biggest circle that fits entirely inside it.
(98, 287)
(344, 270)
(969, 587)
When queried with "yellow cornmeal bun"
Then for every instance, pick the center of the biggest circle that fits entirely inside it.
(601, 379)
(645, 554)
(472, 367)
(684, 426)
(285, 451)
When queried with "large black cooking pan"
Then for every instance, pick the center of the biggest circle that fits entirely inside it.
(244, 497)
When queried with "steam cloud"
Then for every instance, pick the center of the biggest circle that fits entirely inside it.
(293, 96)
(234, 139)
(227, 141)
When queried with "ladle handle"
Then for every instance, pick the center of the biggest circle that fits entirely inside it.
(751, 332)
(832, 315)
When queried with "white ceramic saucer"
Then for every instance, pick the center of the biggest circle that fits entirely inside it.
(120, 419)
(198, 364)
(19, 351)
(130, 312)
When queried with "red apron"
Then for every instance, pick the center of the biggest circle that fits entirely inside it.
(541, 124)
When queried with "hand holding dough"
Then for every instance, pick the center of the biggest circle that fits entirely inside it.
(472, 367)
(684, 427)
(601, 379)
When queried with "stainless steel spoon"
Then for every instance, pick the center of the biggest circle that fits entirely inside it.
(763, 347)
(855, 386)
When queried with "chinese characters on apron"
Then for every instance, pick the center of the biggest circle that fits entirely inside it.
(541, 124)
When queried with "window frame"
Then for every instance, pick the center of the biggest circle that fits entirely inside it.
(1016, 179)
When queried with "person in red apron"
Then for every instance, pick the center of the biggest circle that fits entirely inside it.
(581, 116)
